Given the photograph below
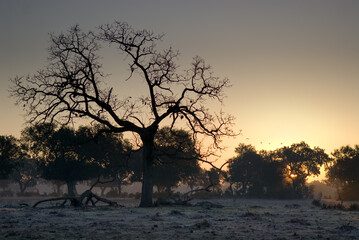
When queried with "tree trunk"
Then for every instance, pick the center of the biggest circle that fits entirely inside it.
(119, 187)
(168, 191)
(57, 187)
(147, 179)
(71, 190)
(22, 188)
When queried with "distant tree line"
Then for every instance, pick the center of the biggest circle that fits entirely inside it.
(275, 174)
(66, 156)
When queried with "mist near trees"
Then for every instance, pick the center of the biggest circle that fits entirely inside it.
(281, 173)
(66, 156)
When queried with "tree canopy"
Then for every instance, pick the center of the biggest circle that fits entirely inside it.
(9, 152)
(343, 172)
(110, 151)
(176, 158)
(245, 169)
(280, 173)
(25, 172)
(60, 155)
(302, 160)
(255, 174)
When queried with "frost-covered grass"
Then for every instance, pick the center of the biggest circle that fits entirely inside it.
(242, 219)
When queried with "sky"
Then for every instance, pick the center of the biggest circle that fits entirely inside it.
(293, 65)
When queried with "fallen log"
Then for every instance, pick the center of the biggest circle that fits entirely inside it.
(83, 200)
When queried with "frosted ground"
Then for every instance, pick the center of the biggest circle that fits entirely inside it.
(242, 219)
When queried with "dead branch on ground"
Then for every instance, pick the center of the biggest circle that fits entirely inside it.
(84, 199)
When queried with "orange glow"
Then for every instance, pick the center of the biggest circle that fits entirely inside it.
(293, 175)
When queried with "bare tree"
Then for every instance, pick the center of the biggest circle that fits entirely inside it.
(70, 88)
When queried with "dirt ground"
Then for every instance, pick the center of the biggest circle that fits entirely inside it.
(242, 219)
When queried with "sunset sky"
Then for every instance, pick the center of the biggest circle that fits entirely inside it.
(293, 65)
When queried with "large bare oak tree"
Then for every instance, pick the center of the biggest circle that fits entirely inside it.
(71, 87)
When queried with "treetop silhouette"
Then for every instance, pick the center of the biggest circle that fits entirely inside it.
(71, 87)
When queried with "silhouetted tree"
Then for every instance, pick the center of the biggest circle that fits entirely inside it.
(300, 161)
(109, 150)
(343, 172)
(212, 180)
(16, 164)
(176, 158)
(272, 176)
(25, 173)
(193, 180)
(59, 154)
(257, 174)
(246, 171)
(9, 152)
(70, 88)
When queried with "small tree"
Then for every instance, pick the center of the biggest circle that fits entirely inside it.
(299, 162)
(176, 158)
(70, 88)
(9, 152)
(246, 171)
(272, 175)
(110, 151)
(212, 180)
(343, 172)
(16, 164)
(25, 173)
(59, 155)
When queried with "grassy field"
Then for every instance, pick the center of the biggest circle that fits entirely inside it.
(242, 219)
